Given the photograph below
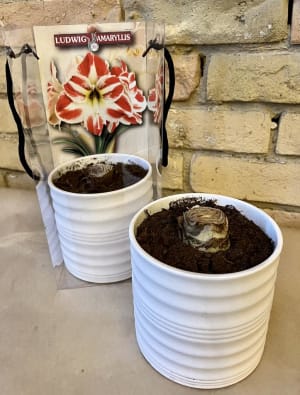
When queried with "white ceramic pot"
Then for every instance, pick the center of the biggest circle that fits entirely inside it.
(93, 228)
(203, 330)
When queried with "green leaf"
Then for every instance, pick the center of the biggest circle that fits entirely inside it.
(72, 151)
(74, 145)
(122, 128)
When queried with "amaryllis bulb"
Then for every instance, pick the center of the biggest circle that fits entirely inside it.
(205, 228)
(99, 169)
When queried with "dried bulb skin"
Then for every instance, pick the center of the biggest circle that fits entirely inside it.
(100, 169)
(205, 228)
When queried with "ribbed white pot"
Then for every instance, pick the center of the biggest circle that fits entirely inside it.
(93, 228)
(203, 330)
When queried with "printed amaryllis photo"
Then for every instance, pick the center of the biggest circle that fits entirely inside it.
(155, 98)
(104, 99)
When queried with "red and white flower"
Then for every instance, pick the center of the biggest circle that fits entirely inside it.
(54, 88)
(30, 109)
(155, 97)
(137, 102)
(96, 96)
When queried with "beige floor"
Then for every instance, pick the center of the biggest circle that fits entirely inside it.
(81, 341)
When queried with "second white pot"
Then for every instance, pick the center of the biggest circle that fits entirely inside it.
(203, 330)
(93, 228)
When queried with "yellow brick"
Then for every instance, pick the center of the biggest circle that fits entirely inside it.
(29, 13)
(265, 77)
(7, 124)
(288, 142)
(19, 180)
(9, 153)
(218, 128)
(187, 71)
(172, 175)
(207, 22)
(2, 180)
(247, 179)
(295, 30)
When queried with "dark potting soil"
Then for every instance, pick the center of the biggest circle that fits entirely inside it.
(82, 181)
(159, 235)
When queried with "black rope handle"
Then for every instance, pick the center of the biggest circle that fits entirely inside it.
(21, 145)
(167, 101)
(10, 96)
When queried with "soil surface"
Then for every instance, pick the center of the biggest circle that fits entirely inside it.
(85, 180)
(159, 235)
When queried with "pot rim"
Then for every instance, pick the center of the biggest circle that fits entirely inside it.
(214, 277)
(103, 155)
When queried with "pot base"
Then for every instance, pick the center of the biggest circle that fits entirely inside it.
(204, 377)
(196, 383)
(101, 279)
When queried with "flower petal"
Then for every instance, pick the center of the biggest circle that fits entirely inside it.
(77, 88)
(68, 111)
(110, 87)
(94, 124)
(155, 97)
(93, 67)
(54, 89)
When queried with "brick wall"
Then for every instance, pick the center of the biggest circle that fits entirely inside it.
(234, 126)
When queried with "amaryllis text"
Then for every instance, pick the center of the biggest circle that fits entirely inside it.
(81, 40)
